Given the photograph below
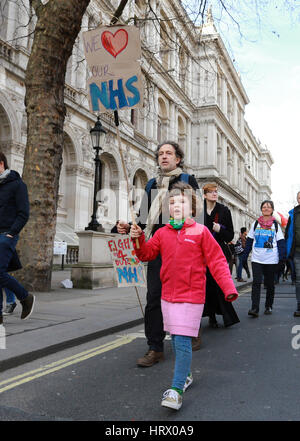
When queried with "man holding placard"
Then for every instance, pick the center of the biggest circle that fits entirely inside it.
(115, 83)
(151, 217)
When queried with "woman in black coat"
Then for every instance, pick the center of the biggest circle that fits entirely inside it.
(217, 218)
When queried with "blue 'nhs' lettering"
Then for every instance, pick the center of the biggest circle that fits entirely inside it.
(128, 274)
(107, 94)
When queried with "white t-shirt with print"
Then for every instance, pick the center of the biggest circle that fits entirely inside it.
(264, 249)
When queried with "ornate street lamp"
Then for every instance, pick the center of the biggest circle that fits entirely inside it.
(98, 137)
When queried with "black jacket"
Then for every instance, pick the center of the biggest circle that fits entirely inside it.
(215, 302)
(221, 215)
(14, 204)
(148, 199)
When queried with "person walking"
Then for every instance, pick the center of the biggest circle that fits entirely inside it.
(266, 241)
(232, 261)
(151, 218)
(292, 236)
(14, 213)
(186, 247)
(217, 218)
(239, 249)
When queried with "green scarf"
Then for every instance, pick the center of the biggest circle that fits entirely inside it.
(176, 223)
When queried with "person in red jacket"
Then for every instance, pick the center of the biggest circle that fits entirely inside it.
(186, 248)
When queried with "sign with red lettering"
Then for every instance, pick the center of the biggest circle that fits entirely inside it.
(112, 54)
(129, 269)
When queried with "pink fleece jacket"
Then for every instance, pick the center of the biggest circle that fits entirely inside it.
(185, 254)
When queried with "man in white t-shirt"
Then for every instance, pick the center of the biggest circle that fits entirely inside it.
(266, 241)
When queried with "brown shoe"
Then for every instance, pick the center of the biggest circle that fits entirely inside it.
(150, 358)
(196, 342)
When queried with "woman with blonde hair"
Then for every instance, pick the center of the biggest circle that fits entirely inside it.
(217, 218)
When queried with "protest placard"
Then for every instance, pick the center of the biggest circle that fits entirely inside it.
(112, 54)
(129, 269)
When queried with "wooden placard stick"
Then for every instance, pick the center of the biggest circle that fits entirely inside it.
(137, 293)
(125, 173)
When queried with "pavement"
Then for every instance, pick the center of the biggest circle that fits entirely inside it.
(66, 317)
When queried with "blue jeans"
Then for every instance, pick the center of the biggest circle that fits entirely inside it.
(7, 249)
(240, 266)
(182, 347)
(10, 297)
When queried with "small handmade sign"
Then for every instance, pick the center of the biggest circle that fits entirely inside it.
(129, 269)
(60, 248)
(112, 54)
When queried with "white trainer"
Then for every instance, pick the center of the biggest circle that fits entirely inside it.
(172, 399)
(188, 382)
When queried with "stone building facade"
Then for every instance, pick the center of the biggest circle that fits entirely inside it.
(193, 95)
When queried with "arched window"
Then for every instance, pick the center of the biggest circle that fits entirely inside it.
(162, 120)
(139, 183)
(182, 133)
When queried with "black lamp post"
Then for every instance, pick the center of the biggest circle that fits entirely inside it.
(98, 136)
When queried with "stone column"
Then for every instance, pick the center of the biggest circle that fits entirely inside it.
(155, 116)
(224, 96)
(235, 116)
(188, 140)
(212, 144)
(224, 155)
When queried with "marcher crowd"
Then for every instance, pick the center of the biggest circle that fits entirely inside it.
(187, 238)
(191, 262)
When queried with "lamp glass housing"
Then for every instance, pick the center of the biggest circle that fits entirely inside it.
(98, 134)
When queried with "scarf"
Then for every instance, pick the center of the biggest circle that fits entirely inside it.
(266, 224)
(4, 175)
(177, 224)
(163, 183)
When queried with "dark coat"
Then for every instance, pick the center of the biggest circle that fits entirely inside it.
(221, 215)
(215, 303)
(14, 204)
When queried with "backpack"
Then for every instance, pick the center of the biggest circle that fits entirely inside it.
(184, 177)
(238, 249)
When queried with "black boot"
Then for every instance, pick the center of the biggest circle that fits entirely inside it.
(27, 306)
(213, 321)
(297, 312)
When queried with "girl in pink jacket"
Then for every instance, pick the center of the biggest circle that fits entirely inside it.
(186, 248)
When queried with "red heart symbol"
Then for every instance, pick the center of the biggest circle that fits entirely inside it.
(114, 43)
